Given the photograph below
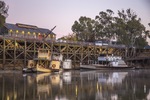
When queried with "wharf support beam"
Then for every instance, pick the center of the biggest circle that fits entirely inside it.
(15, 52)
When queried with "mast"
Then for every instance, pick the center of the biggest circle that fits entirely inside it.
(49, 33)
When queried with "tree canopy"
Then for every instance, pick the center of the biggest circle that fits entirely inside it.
(126, 27)
(3, 12)
(70, 37)
(84, 29)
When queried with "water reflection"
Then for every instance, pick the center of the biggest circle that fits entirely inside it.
(76, 85)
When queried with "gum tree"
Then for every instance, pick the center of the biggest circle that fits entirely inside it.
(125, 26)
(84, 29)
(3, 12)
(104, 25)
(129, 29)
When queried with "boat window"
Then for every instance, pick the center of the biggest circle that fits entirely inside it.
(43, 51)
(98, 43)
(102, 55)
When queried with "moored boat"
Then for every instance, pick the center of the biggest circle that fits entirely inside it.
(109, 62)
(43, 63)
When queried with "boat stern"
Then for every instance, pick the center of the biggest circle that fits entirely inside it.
(55, 65)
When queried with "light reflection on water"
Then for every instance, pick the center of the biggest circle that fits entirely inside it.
(76, 85)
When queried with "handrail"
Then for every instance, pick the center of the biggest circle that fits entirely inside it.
(63, 41)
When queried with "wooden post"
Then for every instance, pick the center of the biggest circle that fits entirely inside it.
(126, 52)
(25, 53)
(134, 52)
(4, 50)
(81, 60)
(34, 47)
(15, 53)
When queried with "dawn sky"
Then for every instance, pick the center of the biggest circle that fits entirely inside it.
(63, 13)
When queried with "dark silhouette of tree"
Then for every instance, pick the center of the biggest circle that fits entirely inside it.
(3, 13)
(84, 29)
(70, 37)
(126, 27)
(104, 24)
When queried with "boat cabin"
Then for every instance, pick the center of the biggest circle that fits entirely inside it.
(103, 59)
(67, 64)
(44, 54)
(106, 59)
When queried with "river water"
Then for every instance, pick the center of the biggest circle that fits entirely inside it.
(76, 85)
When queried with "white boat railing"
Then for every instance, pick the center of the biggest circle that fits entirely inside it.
(109, 58)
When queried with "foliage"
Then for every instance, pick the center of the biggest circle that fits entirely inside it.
(70, 37)
(104, 24)
(140, 42)
(84, 29)
(3, 13)
(126, 27)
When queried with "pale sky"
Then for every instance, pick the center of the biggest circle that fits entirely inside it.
(63, 13)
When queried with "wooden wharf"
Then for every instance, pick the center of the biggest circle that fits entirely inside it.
(15, 51)
(20, 43)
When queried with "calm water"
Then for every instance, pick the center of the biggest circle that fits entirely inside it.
(76, 85)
